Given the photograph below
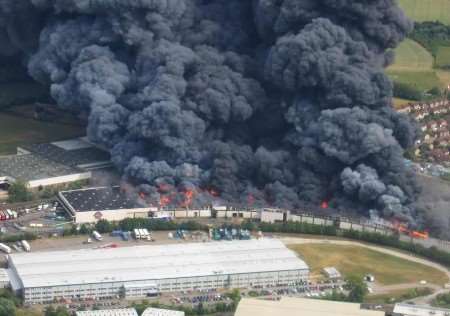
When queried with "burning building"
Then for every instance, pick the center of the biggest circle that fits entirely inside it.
(273, 102)
(93, 204)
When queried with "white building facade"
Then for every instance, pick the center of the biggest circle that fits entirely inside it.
(161, 312)
(109, 312)
(140, 271)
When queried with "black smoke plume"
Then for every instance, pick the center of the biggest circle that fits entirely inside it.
(264, 102)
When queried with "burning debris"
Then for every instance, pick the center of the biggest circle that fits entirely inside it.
(272, 102)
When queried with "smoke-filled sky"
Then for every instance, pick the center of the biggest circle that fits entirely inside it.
(275, 102)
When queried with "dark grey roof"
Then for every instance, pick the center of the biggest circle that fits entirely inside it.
(99, 199)
(33, 167)
(68, 157)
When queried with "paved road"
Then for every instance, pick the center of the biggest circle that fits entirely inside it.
(384, 289)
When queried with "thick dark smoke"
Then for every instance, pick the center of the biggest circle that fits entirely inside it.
(259, 102)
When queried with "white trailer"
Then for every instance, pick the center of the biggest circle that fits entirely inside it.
(5, 248)
(26, 245)
(97, 236)
(137, 233)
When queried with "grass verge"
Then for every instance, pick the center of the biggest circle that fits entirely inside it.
(359, 261)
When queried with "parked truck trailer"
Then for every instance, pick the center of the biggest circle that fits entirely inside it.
(5, 248)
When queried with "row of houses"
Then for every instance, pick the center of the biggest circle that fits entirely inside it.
(435, 141)
(421, 110)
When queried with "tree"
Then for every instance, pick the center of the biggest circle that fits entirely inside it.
(435, 91)
(405, 91)
(7, 307)
(59, 311)
(84, 230)
(104, 226)
(357, 289)
(18, 192)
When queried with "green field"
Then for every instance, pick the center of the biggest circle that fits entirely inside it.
(427, 10)
(421, 80)
(359, 261)
(400, 103)
(414, 66)
(412, 56)
(398, 296)
(443, 57)
(15, 130)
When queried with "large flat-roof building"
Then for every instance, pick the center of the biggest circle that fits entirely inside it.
(92, 204)
(36, 171)
(78, 152)
(301, 306)
(109, 312)
(130, 272)
(161, 312)
(419, 310)
(40, 165)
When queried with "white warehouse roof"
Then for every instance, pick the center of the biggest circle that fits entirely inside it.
(301, 306)
(417, 310)
(109, 312)
(161, 312)
(44, 269)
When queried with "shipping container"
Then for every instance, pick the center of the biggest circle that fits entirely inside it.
(5, 248)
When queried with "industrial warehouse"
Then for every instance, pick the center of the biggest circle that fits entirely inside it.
(41, 165)
(141, 271)
(93, 204)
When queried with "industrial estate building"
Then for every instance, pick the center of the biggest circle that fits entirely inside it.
(416, 310)
(4, 278)
(109, 312)
(161, 312)
(41, 165)
(140, 271)
(93, 204)
(301, 306)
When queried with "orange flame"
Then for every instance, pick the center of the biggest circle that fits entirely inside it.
(188, 197)
(417, 234)
(164, 200)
